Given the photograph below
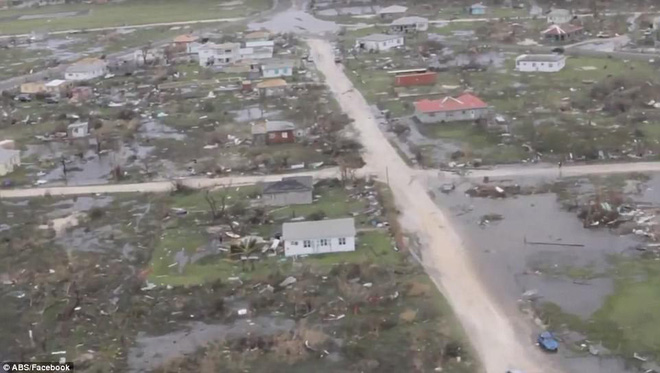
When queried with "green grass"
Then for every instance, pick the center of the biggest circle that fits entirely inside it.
(20, 61)
(629, 320)
(126, 13)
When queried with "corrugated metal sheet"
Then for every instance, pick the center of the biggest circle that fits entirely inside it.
(427, 78)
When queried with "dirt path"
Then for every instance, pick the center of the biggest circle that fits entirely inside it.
(500, 345)
(161, 186)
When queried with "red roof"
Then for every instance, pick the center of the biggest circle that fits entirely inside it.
(463, 102)
(564, 29)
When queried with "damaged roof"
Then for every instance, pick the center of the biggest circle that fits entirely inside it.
(333, 228)
(272, 126)
(272, 83)
(409, 21)
(540, 57)
(465, 101)
(86, 65)
(289, 184)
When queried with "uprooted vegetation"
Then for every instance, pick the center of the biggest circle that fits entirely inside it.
(156, 264)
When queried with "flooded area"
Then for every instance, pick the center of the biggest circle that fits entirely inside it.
(528, 246)
(152, 129)
(295, 21)
(351, 10)
(154, 351)
(85, 168)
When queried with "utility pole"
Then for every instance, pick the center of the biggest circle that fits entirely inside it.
(387, 175)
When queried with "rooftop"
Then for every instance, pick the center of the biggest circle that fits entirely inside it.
(378, 37)
(540, 57)
(409, 20)
(319, 229)
(463, 102)
(78, 124)
(55, 83)
(271, 126)
(185, 38)
(289, 184)
(478, 5)
(263, 43)
(278, 64)
(393, 9)
(272, 83)
(7, 154)
(86, 65)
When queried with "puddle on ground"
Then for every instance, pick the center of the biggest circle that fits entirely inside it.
(350, 10)
(511, 263)
(487, 59)
(78, 204)
(295, 21)
(253, 113)
(91, 168)
(152, 129)
(151, 352)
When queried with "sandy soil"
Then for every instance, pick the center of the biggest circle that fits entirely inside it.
(499, 343)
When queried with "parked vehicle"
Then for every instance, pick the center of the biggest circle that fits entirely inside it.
(51, 100)
(23, 98)
(548, 342)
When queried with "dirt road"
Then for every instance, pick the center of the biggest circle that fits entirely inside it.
(549, 170)
(500, 345)
(160, 186)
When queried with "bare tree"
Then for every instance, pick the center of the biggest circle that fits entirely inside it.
(145, 51)
(218, 207)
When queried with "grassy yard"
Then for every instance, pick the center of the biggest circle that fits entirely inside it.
(629, 320)
(124, 13)
(19, 61)
(188, 234)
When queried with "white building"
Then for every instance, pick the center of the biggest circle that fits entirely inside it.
(405, 25)
(218, 54)
(58, 87)
(77, 130)
(86, 69)
(559, 16)
(318, 237)
(9, 160)
(379, 42)
(540, 62)
(257, 50)
(277, 68)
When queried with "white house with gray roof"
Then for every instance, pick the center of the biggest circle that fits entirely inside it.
(86, 69)
(319, 237)
(294, 190)
(549, 63)
(9, 160)
(379, 42)
(405, 25)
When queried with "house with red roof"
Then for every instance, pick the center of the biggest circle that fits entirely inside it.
(562, 33)
(451, 109)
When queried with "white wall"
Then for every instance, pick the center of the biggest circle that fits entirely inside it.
(275, 72)
(86, 75)
(542, 66)
(383, 45)
(315, 246)
(10, 165)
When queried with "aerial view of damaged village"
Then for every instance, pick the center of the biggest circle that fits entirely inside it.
(349, 186)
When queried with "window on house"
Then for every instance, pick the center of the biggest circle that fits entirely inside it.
(534, 64)
(307, 243)
(294, 243)
(342, 241)
(285, 135)
(324, 242)
(271, 135)
(550, 65)
(463, 111)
